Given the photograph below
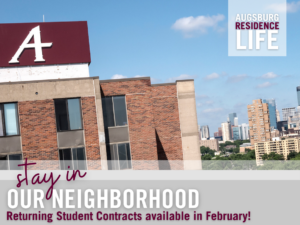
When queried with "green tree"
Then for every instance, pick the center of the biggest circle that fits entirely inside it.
(247, 150)
(296, 158)
(206, 150)
(272, 156)
(229, 143)
(292, 155)
(206, 157)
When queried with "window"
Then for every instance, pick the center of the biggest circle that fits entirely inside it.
(9, 119)
(73, 158)
(10, 162)
(68, 114)
(114, 111)
(119, 156)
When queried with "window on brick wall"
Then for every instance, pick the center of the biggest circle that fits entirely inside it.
(9, 119)
(10, 162)
(119, 156)
(72, 159)
(68, 114)
(114, 111)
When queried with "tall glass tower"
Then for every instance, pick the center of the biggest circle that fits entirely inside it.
(298, 95)
(272, 112)
(231, 117)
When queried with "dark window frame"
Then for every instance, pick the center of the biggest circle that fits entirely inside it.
(8, 160)
(113, 109)
(67, 110)
(3, 120)
(112, 162)
(72, 159)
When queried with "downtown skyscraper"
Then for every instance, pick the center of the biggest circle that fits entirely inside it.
(272, 112)
(231, 117)
(259, 122)
(204, 131)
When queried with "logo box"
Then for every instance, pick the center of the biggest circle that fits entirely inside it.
(70, 43)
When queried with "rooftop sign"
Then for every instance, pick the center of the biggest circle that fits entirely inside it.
(32, 44)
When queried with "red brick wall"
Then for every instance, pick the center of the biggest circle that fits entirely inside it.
(38, 130)
(92, 147)
(39, 136)
(126, 87)
(140, 119)
(167, 124)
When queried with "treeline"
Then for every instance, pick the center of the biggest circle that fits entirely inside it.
(247, 161)
(208, 154)
(275, 156)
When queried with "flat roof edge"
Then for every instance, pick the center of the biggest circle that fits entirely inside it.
(124, 79)
(48, 80)
(184, 80)
(163, 84)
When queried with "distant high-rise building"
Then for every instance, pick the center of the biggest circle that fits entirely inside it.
(220, 131)
(226, 131)
(231, 117)
(272, 112)
(298, 95)
(216, 134)
(277, 115)
(259, 122)
(236, 133)
(286, 112)
(283, 147)
(235, 121)
(244, 130)
(282, 125)
(205, 132)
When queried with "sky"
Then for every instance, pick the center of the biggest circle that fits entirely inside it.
(170, 40)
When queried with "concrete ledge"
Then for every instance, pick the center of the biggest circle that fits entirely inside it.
(186, 96)
(190, 134)
(124, 79)
(163, 84)
(50, 80)
(184, 80)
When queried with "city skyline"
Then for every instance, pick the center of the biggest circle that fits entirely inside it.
(273, 109)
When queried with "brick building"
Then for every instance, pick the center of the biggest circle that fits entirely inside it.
(282, 147)
(213, 144)
(57, 113)
(259, 122)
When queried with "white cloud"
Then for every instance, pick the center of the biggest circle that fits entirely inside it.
(291, 7)
(212, 110)
(237, 78)
(190, 26)
(201, 96)
(118, 76)
(265, 85)
(181, 77)
(269, 75)
(212, 76)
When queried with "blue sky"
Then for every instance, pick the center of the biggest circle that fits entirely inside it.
(131, 38)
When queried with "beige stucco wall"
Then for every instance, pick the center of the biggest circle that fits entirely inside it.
(189, 125)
